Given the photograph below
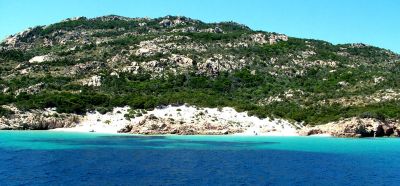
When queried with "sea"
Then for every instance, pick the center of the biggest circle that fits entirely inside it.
(63, 158)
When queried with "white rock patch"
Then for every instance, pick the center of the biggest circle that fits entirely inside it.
(41, 59)
(94, 81)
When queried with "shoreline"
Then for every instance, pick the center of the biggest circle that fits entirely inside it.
(61, 130)
(74, 130)
(182, 120)
(191, 120)
(103, 131)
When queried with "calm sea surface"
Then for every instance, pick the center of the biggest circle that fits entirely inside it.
(58, 158)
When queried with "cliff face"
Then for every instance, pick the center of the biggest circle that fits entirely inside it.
(356, 127)
(82, 64)
(37, 120)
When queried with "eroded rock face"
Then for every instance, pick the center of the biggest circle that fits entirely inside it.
(258, 38)
(19, 39)
(274, 38)
(170, 22)
(94, 81)
(33, 89)
(213, 30)
(355, 127)
(220, 63)
(91, 66)
(181, 61)
(37, 120)
(148, 48)
(359, 45)
(261, 38)
(386, 130)
(154, 125)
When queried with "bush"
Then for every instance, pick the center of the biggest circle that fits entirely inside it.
(15, 55)
(5, 112)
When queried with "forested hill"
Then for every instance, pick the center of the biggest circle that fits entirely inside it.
(82, 64)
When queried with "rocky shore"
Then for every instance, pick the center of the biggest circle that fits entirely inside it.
(190, 120)
(355, 127)
(180, 120)
(37, 120)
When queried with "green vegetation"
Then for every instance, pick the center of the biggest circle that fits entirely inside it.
(5, 112)
(241, 90)
(88, 24)
(212, 37)
(15, 55)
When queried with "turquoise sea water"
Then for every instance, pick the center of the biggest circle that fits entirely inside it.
(60, 158)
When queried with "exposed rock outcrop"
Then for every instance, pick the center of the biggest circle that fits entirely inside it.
(20, 39)
(274, 38)
(37, 120)
(355, 127)
(169, 21)
(258, 38)
(94, 81)
(154, 125)
(31, 89)
(41, 59)
(213, 30)
(187, 120)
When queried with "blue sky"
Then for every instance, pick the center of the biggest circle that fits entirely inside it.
(374, 22)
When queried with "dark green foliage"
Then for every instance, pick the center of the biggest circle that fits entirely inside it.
(61, 63)
(148, 58)
(108, 34)
(15, 55)
(326, 55)
(49, 81)
(89, 24)
(293, 45)
(6, 99)
(64, 102)
(209, 37)
(233, 27)
(5, 112)
(125, 41)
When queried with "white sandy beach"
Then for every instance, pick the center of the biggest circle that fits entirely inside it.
(114, 121)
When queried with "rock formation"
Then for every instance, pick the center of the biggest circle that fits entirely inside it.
(37, 120)
(355, 127)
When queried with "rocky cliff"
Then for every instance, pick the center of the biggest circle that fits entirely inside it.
(37, 120)
(356, 127)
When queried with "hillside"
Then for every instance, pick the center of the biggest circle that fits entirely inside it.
(81, 64)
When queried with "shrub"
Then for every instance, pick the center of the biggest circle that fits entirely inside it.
(5, 112)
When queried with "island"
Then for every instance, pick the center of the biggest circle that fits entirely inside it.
(177, 75)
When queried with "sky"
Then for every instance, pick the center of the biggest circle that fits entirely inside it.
(374, 22)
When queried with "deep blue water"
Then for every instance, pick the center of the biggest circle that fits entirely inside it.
(56, 158)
